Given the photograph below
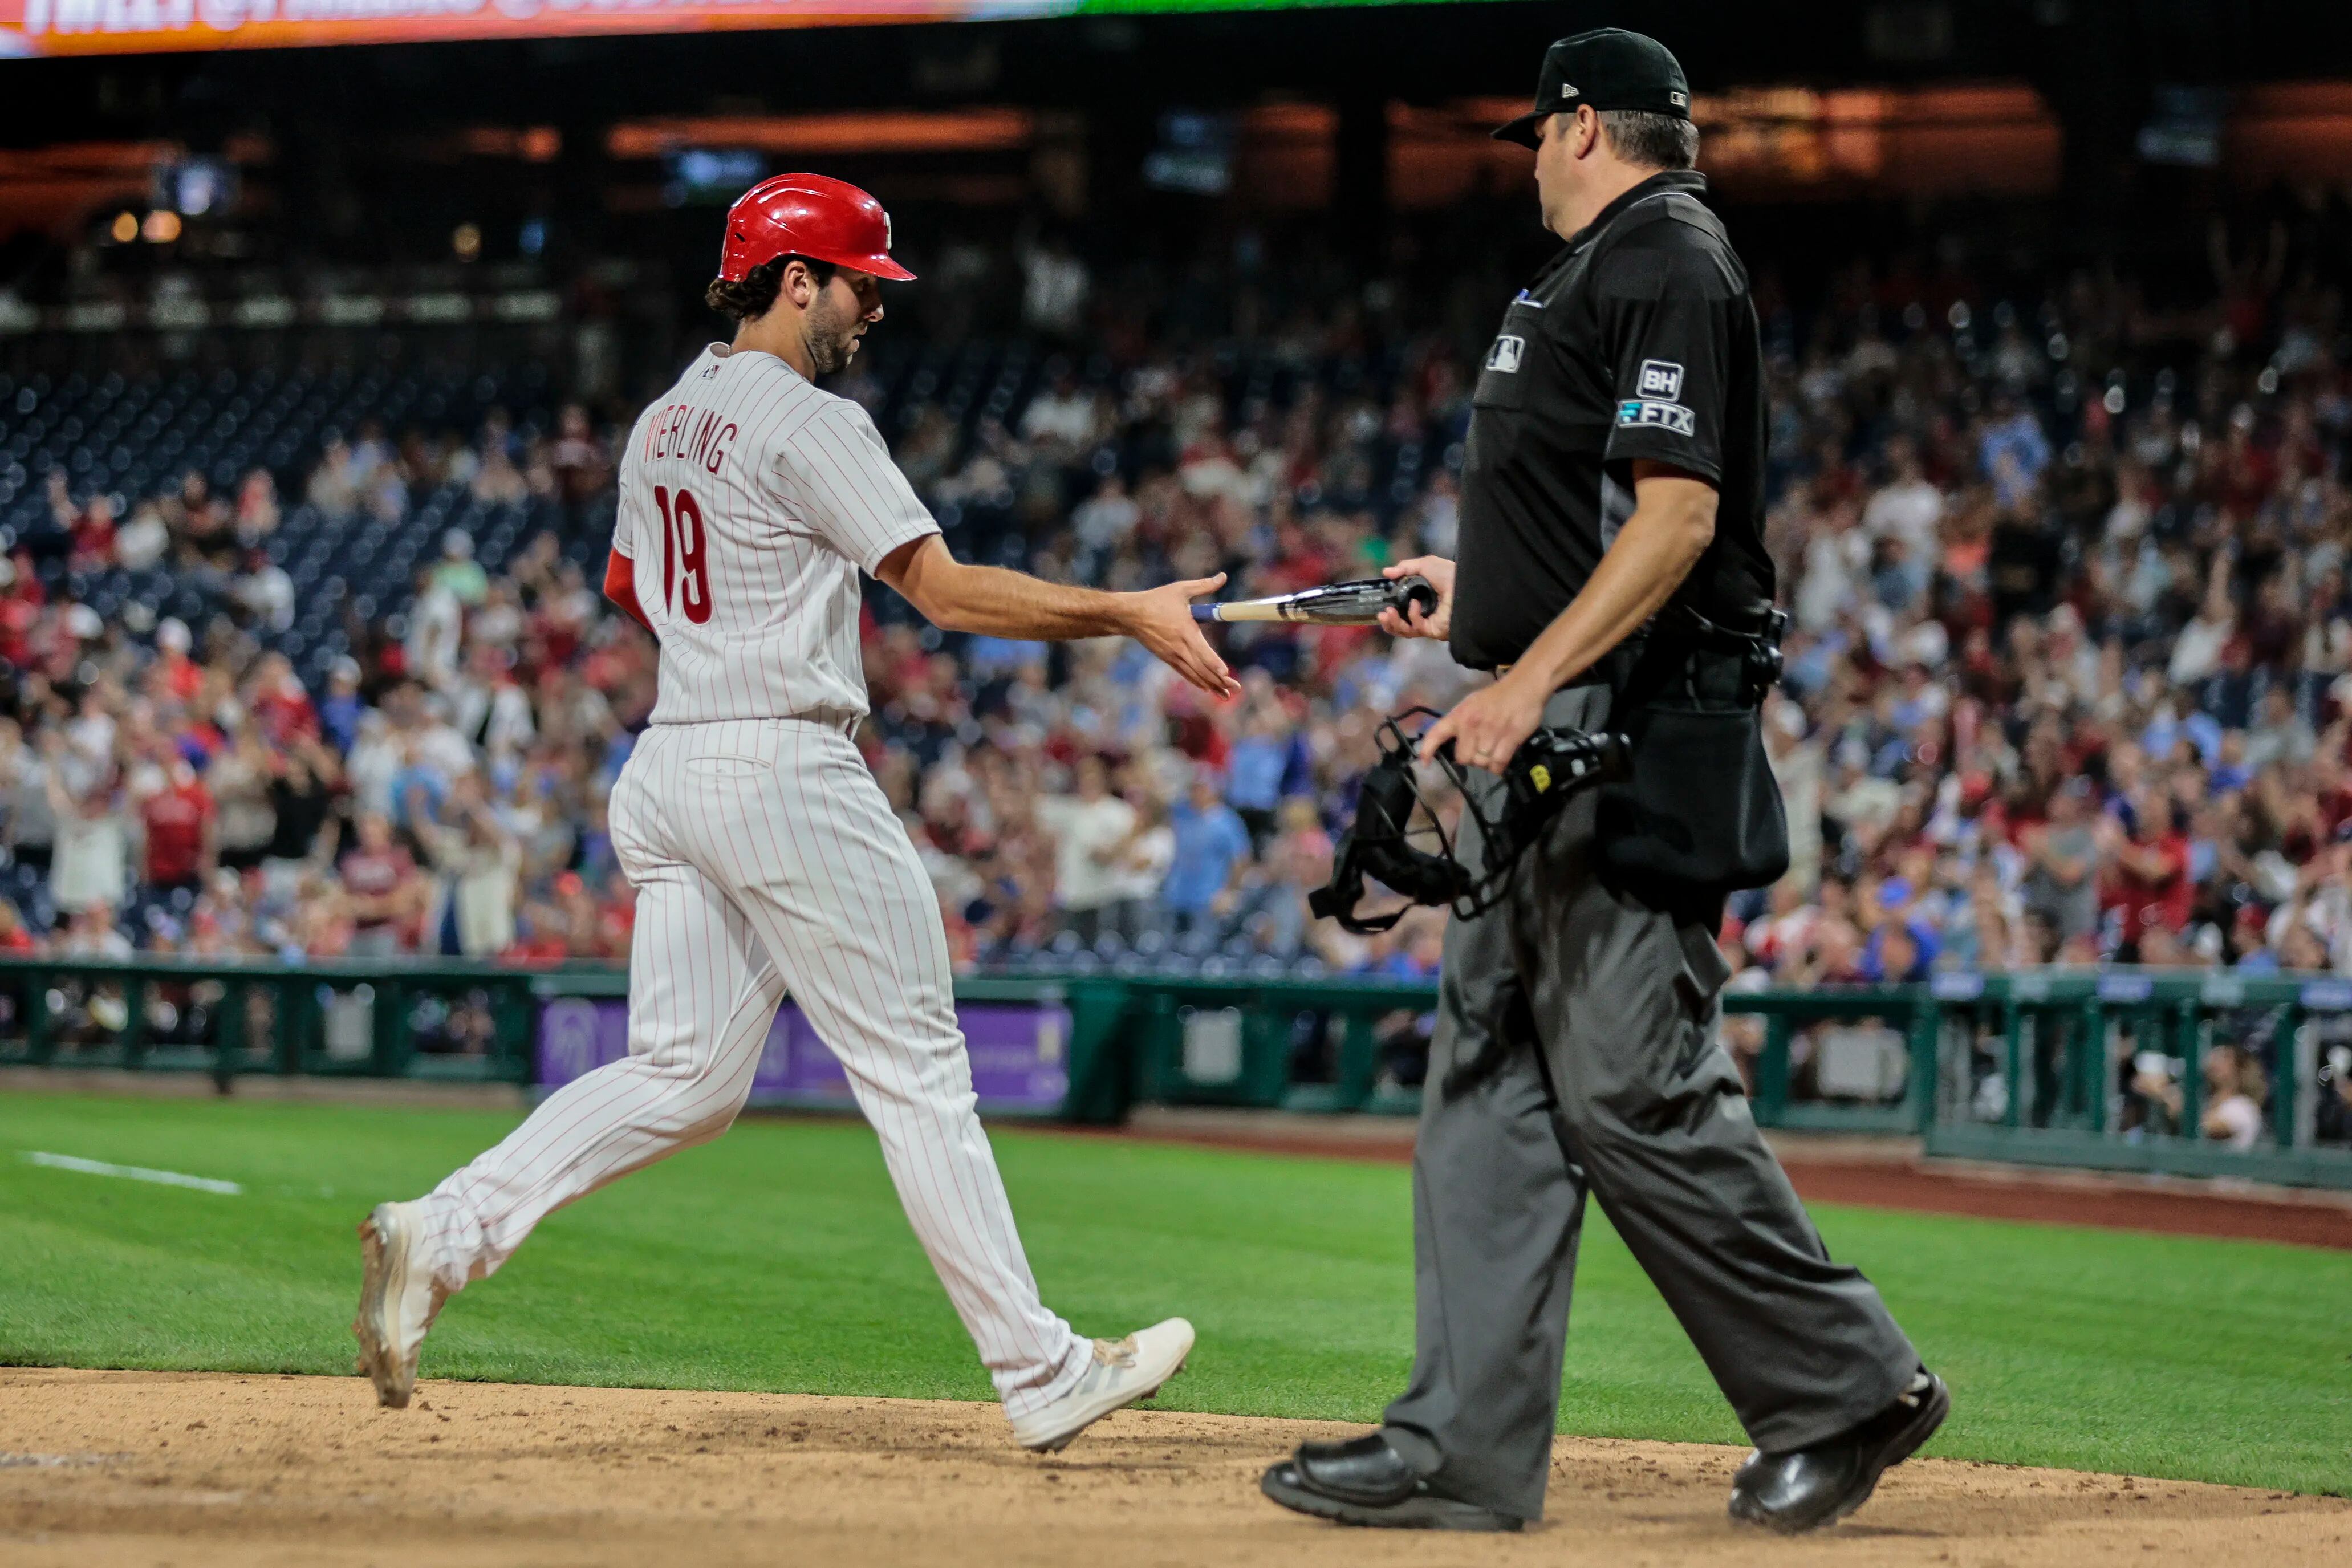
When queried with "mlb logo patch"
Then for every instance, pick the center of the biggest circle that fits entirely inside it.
(1508, 350)
(1661, 378)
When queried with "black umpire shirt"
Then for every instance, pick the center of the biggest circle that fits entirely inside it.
(1638, 339)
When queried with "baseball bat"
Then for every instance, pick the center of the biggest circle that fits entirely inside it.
(1358, 603)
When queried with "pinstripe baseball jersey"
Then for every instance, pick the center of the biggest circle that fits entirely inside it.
(749, 502)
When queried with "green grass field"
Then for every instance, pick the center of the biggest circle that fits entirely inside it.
(777, 1258)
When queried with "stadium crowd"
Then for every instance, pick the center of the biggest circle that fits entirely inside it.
(2067, 680)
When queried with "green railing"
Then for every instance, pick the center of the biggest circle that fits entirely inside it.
(2030, 1068)
(344, 1017)
(2025, 1066)
(1233, 1041)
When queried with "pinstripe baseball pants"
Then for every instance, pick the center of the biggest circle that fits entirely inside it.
(766, 859)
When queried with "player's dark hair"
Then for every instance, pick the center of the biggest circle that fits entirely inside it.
(754, 294)
(1652, 141)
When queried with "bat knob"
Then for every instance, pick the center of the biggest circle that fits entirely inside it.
(1413, 593)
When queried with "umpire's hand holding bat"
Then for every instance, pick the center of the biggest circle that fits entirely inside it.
(1487, 726)
(1673, 522)
(1421, 623)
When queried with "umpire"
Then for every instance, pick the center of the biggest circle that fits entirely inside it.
(1611, 528)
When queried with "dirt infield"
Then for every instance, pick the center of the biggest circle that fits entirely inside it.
(109, 1469)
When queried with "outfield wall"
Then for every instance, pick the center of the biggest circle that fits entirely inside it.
(2093, 1069)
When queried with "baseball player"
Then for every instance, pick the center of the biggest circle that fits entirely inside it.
(765, 855)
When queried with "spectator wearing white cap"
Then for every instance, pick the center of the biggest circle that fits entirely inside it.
(172, 673)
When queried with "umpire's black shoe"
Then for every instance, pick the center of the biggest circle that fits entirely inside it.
(1808, 1487)
(1365, 1482)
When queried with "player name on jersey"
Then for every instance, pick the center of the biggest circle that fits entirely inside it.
(750, 501)
(701, 436)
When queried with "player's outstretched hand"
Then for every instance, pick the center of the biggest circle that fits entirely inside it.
(1440, 573)
(1162, 620)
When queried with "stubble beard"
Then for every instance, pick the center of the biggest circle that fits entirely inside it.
(832, 337)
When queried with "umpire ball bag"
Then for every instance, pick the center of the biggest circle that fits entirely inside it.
(1697, 813)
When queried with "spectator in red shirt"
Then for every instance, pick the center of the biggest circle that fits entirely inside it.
(2150, 883)
(20, 607)
(173, 671)
(93, 534)
(280, 704)
(536, 947)
(181, 831)
(384, 888)
(582, 470)
(584, 934)
(13, 937)
(617, 917)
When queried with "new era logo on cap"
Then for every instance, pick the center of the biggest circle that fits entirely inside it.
(1605, 69)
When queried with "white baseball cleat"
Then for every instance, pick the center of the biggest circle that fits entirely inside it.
(1124, 1372)
(398, 1301)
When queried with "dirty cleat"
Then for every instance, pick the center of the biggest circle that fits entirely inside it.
(398, 1301)
(1806, 1488)
(1123, 1371)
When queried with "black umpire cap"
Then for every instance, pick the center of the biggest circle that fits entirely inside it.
(1607, 68)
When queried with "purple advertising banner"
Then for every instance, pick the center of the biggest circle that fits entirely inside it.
(1019, 1053)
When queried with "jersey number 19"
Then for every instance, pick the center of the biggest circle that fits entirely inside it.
(682, 554)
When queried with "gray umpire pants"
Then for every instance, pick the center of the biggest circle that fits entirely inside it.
(1577, 1051)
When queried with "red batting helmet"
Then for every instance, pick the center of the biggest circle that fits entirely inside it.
(810, 215)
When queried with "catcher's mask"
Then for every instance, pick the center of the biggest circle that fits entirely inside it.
(1549, 767)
